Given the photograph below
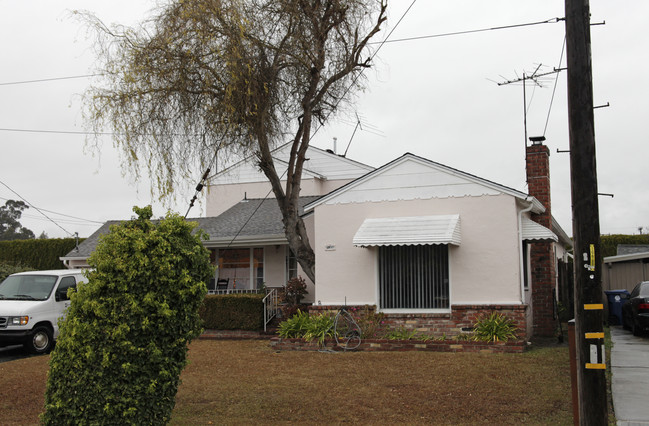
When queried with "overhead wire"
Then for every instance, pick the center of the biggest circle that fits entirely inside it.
(455, 33)
(381, 44)
(62, 214)
(556, 80)
(42, 80)
(36, 208)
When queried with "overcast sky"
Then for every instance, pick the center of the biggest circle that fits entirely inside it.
(435, 97)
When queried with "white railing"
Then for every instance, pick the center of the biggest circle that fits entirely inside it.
(235, 291)
(270, 306)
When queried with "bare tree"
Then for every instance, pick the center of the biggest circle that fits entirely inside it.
(239, 77)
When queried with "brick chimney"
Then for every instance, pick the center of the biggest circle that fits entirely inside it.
(542, 257)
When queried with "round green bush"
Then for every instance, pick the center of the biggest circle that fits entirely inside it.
(123, 343)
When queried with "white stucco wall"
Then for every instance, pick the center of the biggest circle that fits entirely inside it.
(484, 269)
(222, 197)
(275, 265)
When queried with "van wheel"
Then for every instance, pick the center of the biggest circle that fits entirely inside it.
(40, 341)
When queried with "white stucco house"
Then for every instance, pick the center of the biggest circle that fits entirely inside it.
(430, 246)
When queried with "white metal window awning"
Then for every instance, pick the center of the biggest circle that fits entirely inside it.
(415, 230)
(535, 232)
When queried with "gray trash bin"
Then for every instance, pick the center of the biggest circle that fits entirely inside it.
(616, 298)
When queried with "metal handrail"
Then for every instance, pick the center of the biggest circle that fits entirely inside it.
(235, 291)
(270, 306)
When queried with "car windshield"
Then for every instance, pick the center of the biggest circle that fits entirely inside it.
(27, 287)
(644, 289)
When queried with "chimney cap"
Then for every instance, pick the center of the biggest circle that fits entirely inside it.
(537, 140)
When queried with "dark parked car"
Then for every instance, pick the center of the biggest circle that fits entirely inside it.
(635, 312)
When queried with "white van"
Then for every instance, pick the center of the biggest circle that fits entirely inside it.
(31, 304)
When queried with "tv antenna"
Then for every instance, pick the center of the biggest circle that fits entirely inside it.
(536, 79)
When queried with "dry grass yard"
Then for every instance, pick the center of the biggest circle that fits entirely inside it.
(234, 382)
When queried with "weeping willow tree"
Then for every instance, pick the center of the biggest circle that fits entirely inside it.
(238, 77)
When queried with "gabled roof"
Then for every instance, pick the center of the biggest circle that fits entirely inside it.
(442, 181)
(320, 164)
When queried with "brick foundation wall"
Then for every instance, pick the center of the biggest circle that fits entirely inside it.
(438, 326)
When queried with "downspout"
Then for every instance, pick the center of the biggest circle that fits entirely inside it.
(520, 251)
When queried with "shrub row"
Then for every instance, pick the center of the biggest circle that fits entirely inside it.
(609, 243)
(233, 312)
(40, 254)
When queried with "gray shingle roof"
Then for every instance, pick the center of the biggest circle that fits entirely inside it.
(252, 218)
(89, 244)
(248, 218)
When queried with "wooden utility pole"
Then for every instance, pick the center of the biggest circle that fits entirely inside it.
(589, 319)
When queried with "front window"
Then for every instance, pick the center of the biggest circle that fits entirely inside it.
(243, 268)
(414, 277)
(27, 287)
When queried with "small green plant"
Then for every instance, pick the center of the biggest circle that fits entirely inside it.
(370, 321)
(463, 337)
(401, 333)
(295, 326)
(319, 328)
(308, 327)
(494, 328)
(425, 337)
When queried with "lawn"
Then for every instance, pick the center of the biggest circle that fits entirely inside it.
(246, 381)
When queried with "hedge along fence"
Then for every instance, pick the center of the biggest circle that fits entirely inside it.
(40, 254)
(609, 243)
(233, 312)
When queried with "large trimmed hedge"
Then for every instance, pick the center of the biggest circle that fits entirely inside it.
(124, 340)
(38, 254)
(233, 312)
(609, 243)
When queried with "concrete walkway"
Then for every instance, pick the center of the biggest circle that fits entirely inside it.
(630, 384)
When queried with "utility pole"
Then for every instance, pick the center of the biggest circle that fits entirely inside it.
(591, 365)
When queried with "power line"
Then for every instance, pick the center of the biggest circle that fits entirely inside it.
(41, 80)
(556, 80)
(62, 214)
(36, 208)
(455, 33)
(60, 132)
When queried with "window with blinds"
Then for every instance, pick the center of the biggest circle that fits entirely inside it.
(414, 277)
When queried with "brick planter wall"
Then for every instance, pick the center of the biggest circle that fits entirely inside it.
(438, 326)
(280, 344)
